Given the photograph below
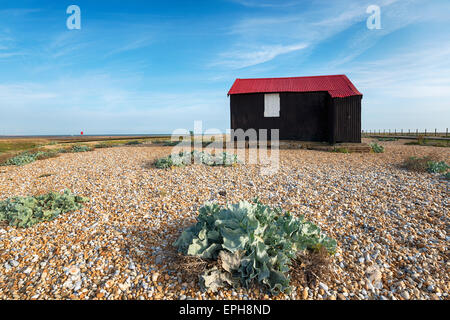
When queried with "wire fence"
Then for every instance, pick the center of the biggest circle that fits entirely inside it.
(407, 132)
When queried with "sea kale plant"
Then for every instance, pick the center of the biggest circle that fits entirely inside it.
(21, 159)
(80, 148)
(254, 243)
(377, 148)
(201, 157)
(29, 157)
(437, 167)
(27, 211)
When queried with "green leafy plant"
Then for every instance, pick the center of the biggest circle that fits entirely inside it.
(47, 154)
(164, 163)
(446, 176)
(27, 211)
(254, 243)
(201, 157)
(437, 167)
(21, 159)
(377, 148)
(29, 157)
(80, 148)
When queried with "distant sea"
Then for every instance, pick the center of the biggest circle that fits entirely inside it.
(86, 135)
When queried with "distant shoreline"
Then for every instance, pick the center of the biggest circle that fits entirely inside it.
(85, 135)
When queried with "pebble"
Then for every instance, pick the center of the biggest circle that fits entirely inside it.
(305, 293)
(405, 295)
(323, 286)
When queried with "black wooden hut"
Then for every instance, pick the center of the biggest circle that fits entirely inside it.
(319, 108)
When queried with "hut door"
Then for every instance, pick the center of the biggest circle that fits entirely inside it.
(272, 105)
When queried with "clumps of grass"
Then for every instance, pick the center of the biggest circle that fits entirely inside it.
(47, 155)
(187, 158)
(166, 143)
(340, 150)
(169, 143)
(103, 145)
(387, 139)
(417, 164)
(377, 148)
(133, 143)
(251, 243)
(311, 266)
(426, 164)
(25, 212)
(17, 145)
(421, 141)
(63, 150)
(80, 148)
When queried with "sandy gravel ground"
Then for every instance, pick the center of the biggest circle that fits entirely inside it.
(391, 225)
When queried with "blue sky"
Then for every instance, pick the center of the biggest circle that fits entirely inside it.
(154, 66)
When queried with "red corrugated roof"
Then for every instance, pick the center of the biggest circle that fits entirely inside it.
(336, 85)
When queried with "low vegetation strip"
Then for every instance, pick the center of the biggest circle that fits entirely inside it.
(28, 157)
(80, 148)
(254, 243)
(27, 211)
(31, 156)
(24, 151)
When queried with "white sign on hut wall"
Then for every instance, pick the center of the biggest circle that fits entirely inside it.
(272, 105)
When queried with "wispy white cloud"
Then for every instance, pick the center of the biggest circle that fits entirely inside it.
(406, 89)
(311, 26)
(266, 4)
(18, 12)
(133, 44)
(412, 73)
(241, 58)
